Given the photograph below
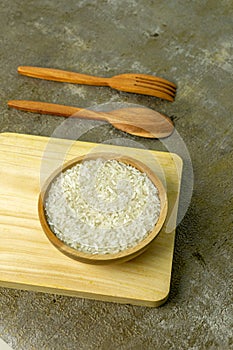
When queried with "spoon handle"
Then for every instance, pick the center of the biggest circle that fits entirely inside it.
(62, 76)
(55, 109)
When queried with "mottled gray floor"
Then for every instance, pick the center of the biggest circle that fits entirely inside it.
(189, 42)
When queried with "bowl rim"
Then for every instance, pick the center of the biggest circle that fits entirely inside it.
(123, 255)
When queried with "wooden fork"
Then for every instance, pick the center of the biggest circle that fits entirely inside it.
(136, 83)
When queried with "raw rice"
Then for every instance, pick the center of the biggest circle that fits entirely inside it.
(102, 206)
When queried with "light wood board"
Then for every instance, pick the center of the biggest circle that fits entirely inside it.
(29, 261)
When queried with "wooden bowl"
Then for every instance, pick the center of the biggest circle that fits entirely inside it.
(121, 256)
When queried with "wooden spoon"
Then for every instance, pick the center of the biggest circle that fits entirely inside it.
(139, 121)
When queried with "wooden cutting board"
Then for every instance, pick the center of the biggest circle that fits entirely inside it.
(29, 261)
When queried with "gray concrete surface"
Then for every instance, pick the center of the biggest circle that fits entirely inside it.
(191, 43)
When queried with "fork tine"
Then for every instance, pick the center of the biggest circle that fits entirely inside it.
(154, 92)
(154, 87)
(156, 80)
(156, 84)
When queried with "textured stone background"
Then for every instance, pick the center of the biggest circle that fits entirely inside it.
(191, 43)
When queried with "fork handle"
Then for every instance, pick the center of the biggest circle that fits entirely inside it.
(56, 109)
(62, 76)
